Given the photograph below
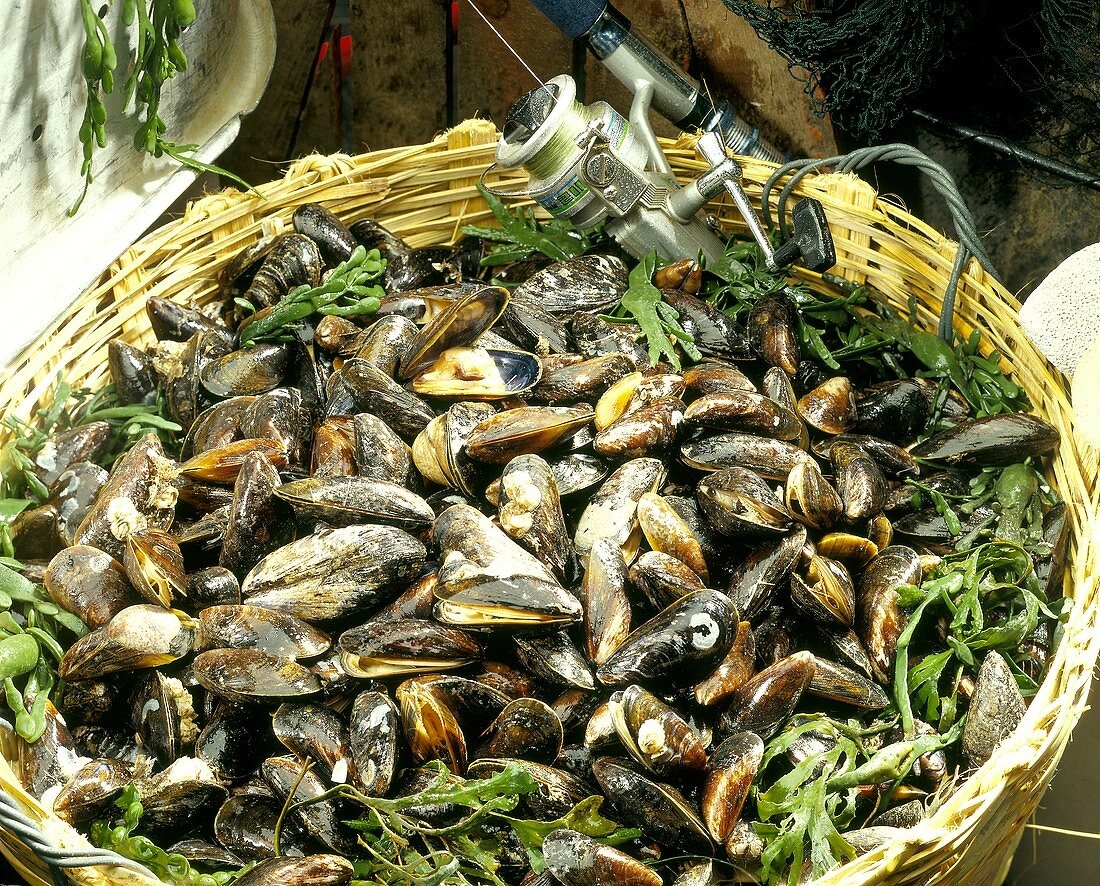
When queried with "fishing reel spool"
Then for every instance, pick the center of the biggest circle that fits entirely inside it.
(588, 164)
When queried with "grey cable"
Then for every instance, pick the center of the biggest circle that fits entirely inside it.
(966, 232)
(14, 819)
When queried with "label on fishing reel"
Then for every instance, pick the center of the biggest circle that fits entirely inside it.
(570, 197)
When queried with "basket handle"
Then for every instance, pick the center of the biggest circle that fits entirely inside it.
(14, 819)
(970, 244)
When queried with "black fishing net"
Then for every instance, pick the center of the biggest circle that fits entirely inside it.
(1027, 70)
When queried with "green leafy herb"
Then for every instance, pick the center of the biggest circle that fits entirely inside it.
(172, 868)
(658, 321)
(521, 235)
(349, 291)
(585, 818)
(157, 58)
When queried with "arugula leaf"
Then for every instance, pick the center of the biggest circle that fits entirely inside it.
(520, 231)
(642, 300)
(585, 818)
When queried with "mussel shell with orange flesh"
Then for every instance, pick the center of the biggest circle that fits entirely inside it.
(457, 326)
(479, 374)
(430, 727)
(650, 428)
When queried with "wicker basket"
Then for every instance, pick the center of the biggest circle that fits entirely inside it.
(425, 193)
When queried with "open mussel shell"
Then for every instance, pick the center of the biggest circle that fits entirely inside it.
(661, 811)
(810, 498)
(516, 602)
(993, 440)
(738, 502)
(613, 511)
(524, 430)
(163, 715)
(606, 605)
(373, 734)
(577, 860)
(345, 500)
(839, 683)
(314, 870)
(142, 636)
(526, 728)
(730, 772)
(880, 619)
(457, 326)
(768, 457)
(847, 547)
(89, 583)
(248, 675)
(154, 566)
(824, 592)
(334, 572)
(591, 283)
(479, 374)
(405, 646)
(654, 734)
(431, 729)
(766, 702)
(250, 627)
(291, 782)
(680, 644)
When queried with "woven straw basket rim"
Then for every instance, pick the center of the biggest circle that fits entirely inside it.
(425, 193)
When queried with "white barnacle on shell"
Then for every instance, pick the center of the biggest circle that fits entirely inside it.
(124, 518)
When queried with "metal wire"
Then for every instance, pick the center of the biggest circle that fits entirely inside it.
(15, 820)
(970, 244)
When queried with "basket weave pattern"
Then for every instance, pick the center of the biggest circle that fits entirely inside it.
(425, 193)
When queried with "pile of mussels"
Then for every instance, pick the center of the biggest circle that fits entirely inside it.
(479, 527)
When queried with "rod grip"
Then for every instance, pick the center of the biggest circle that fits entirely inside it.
(573, 17)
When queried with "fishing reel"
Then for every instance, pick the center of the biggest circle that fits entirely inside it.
(589, 165)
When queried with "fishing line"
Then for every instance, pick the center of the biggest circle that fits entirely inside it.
(507, 45)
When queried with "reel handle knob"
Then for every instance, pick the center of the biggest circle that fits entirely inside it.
(811, 244)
